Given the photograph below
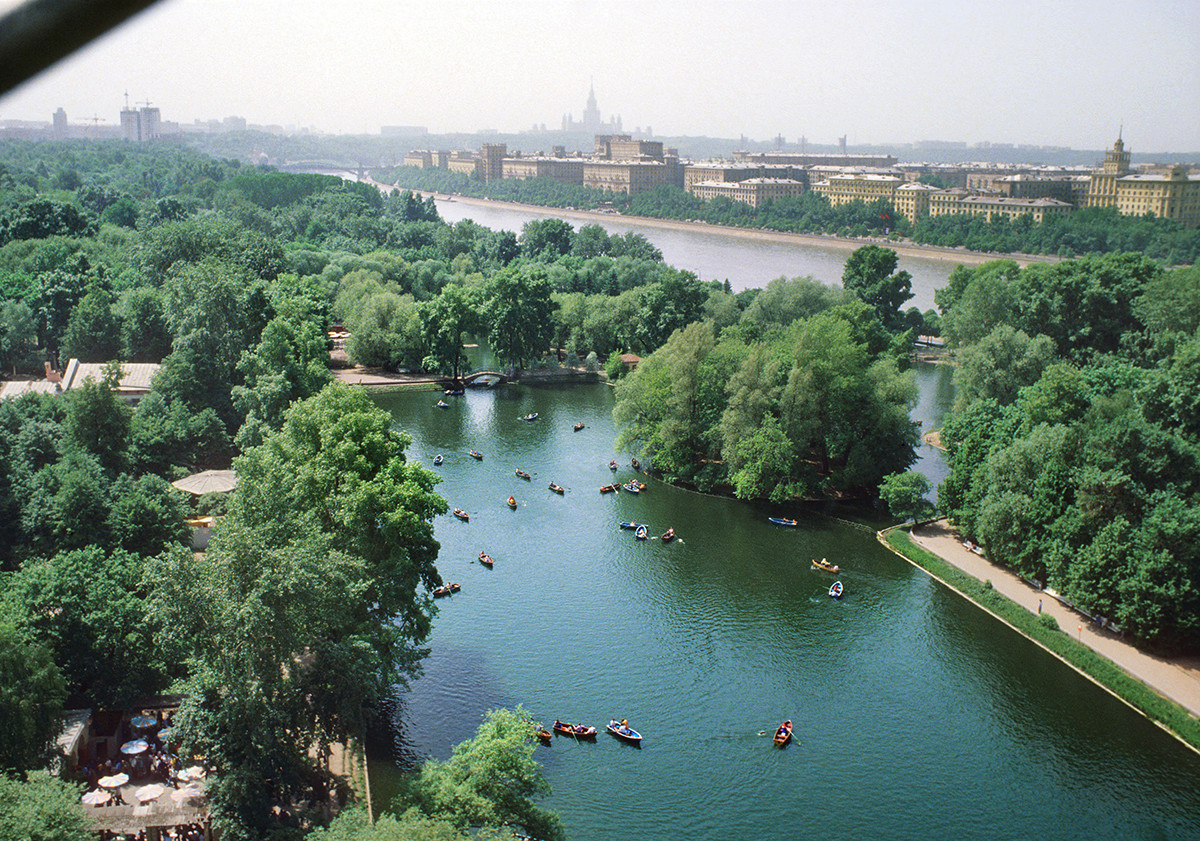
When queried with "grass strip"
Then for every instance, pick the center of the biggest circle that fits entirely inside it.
(1045, 631)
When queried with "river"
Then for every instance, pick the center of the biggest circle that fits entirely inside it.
(917, 716)
(716, 255)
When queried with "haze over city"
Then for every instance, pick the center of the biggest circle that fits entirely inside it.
(1044, 74)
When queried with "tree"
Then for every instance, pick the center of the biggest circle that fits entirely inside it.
(93, 330)
(1001, 363)
(489, 780)
(145, 334)
(870, 274)
(98, 421)
(42, 808)
(905, 495)
(87, 606)
(520, 312)
(32, 692)
(18, 335)
(288, 364)
(546, 239)
(446, 318)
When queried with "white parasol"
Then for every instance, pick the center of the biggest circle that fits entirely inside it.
(115, 781)
(97, 798)
(151, 792)
(209, 481)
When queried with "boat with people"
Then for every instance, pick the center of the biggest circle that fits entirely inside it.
(632, 526)
(668, 535)
(612, 465)
(558, 489)
(512, 503)
(437, 459)
(622, 730)
(578, 426)
(530, 416)
(825, 565)
(579, 731)
(637, 465)
(641, 532)
(462, 515)
(543, 734)
(608, 489)
(454, 392)
(783, 521)
(521, 474)
(632, 487)
(475, 454)
(784, 734)
(442, 404)
(835, 590)
(446, 589)
(486, 559)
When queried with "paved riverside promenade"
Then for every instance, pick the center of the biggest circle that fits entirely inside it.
(1176, 678)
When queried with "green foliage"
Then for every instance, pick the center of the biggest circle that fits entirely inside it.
(352, 824)
(871, 275)
(145, 334)
(309, 603)
(489, 781)
(18, 336)
(32, 692)
(457, 310)
(519, 310)
(98, 420)
(904, 494)
(88, 608)
(1075, 456)
(42, 808)
(43, 218)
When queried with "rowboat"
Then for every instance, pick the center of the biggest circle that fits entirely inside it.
(530, 416)
(578, 426)
(512, 503)
(632, 487)
(462, 515)
(641, 532)
(521, 474)
(784, 734)
(442, 404)
(835, 591)
(475, 454)
(437, 459)
(612, 465)
(543, 734)
(558, 489)
(576, 730)
(623, 731)
(631, 526)
(637, 465)
(825, 565)
(485, 559)
(782, 521)
(668, 535)
(445, 590)
(607, 489)
(454, 392)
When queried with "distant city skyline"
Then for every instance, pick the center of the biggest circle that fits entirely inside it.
(1064, 74)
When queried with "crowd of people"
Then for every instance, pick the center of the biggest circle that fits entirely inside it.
(183, 832)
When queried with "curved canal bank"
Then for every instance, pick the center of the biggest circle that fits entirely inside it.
(1166, 691)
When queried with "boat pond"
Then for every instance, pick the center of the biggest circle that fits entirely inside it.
(916, 715)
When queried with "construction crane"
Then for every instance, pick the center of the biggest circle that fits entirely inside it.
(95, 120)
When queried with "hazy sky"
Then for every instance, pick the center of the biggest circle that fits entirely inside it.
(1044, 73)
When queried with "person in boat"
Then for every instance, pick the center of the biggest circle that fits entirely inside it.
(784, 729)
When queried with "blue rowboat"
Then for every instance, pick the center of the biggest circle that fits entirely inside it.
(632, 487)
(631, 526)
(530, 416)
(641, 532)
(624, 731)
(782, 521)
(437, 459)
(835, 590)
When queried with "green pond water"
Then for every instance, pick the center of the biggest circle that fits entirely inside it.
(917, 716)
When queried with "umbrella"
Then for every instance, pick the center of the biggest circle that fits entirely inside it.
(136, 746)
(187, 793)
(166, 733)
(115, 781)
(210, 481)
(97, 798)
(151, 792)
(194, 773)
(141, 722)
